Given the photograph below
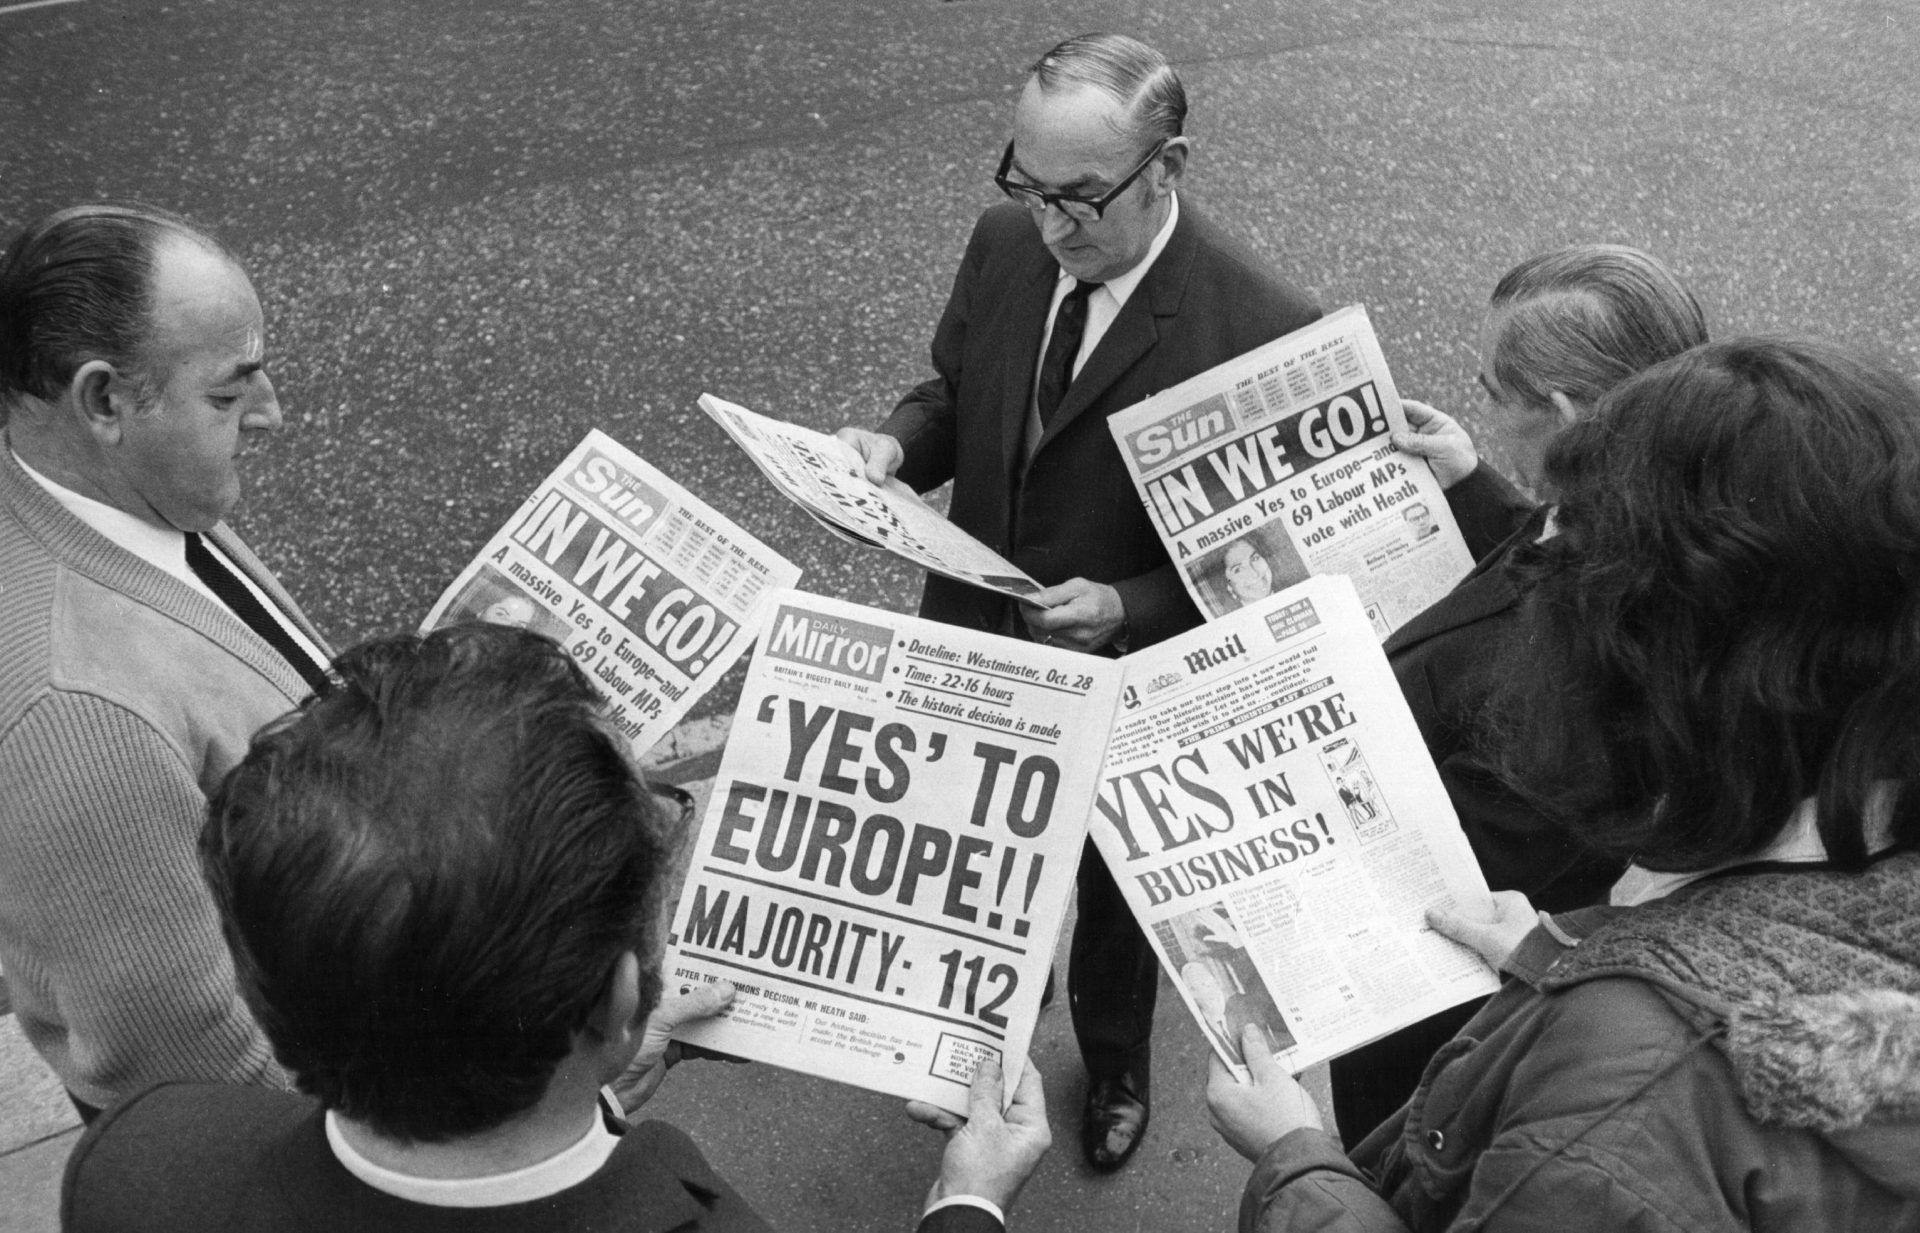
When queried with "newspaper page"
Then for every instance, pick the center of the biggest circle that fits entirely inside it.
(654, 593)
(889, 848)
(1278, 464)
(812, 469)
(1270, 812)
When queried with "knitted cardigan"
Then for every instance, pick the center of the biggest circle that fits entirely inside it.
(125, 697)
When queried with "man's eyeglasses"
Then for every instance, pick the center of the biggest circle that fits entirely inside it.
(1080, 209)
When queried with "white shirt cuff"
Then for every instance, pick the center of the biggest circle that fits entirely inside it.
(967, 1200)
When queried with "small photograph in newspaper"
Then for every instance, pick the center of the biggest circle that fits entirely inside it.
(890, 847)
(1279, 464)
(815, 472)
(650, 589)
(1270, 812)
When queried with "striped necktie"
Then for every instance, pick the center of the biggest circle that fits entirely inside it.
(226, 584)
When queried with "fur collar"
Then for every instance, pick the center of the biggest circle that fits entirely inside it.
(1807, 977)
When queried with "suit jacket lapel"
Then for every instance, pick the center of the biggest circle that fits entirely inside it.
(1136, 330)
(1020, 351)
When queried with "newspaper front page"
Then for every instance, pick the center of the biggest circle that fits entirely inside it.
(1278, 464)
(653, 593)
(1270, 812)
(888, 851)
(812, 469)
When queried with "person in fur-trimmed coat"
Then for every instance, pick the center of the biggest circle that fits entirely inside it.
(1721, 681)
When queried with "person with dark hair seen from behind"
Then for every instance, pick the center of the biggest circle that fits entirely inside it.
(1719, 680)
(443, 887)
(141, 642)
(1095, 285)
(1564, 327)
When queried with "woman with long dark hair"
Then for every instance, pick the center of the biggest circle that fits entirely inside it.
(1720, 683)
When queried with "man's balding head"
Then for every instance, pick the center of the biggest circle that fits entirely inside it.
(78, 285)
(132, 362)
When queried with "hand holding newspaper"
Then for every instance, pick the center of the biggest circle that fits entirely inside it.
(651, 590)
(1279, 464)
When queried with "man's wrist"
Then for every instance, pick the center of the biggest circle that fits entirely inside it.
(966, 1200)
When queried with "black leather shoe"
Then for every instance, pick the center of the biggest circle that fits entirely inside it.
(1116, 1119)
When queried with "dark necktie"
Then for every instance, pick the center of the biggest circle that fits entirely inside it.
(223, 582)
(1056, 370)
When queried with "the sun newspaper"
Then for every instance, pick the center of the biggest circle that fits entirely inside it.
(815, 472)
(1277, 465)
(650, 590)
(1270, 812)
(889, 847)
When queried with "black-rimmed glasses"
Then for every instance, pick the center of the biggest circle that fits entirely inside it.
(1080, 209)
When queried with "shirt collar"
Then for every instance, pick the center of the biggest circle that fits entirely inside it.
(566, 1169)
(1121, 286)
(164, 548)
(1797, 843)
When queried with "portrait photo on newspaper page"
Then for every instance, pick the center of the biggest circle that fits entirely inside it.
(1271, 814)
(888, 851)
(1278, 465)
(651, 590)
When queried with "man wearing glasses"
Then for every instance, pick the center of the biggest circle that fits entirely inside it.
(1095, 288)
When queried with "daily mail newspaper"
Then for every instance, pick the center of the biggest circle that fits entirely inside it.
(1268, 808)
(812, 469)
(654, 593)
(887, 854)
(1278, 464)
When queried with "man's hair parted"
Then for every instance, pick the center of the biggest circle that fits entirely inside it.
(428, 875)
(1125, 69)
(1582, 319)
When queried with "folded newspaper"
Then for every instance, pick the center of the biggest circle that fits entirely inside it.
(1278, 464)
(650, 589)
(815, 471)
(891, 842)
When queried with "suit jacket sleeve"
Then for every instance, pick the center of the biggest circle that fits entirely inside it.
(960, 1218)
(123, 928)
(923, 422)
(1488, 508)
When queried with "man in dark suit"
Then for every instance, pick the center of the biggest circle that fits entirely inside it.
(443, 887)
(1093, 289)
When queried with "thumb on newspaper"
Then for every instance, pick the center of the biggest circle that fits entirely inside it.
(1493, 929)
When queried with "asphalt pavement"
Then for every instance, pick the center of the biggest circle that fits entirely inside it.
(480, 228)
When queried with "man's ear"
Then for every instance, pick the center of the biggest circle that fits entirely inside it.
(104, 398)
(613, 1016)
(1173, 161)
(1565, 409)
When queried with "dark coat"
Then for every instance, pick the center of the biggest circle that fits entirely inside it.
(207, 1159)
(1072, 510)
(1737, 1056)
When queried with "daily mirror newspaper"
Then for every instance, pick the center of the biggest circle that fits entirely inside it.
(1269, 810)
(887, 853)
(812, 469)
(649, 589)
(1278, 464)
